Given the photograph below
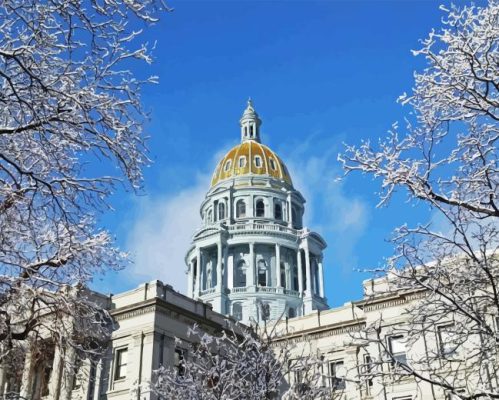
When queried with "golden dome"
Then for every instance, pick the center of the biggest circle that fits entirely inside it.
(250, 158)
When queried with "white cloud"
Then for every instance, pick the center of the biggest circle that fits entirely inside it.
(330, 210)
(162, 233)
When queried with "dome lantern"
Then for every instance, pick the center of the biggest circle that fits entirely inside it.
(250, 124)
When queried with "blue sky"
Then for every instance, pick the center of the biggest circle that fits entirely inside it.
(320, 74)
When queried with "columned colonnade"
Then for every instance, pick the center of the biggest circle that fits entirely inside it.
(306, 264)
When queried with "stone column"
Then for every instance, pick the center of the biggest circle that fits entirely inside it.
(321, 278)
(231, 206)
(97, 383)
(251, 204)
(308, 274)
(300, 272)
(28, 375)
(229, 268)
(288, 277)
(190, 274)
(250, 278)
(204, 262)
(219, 266)
(3, 381)
(68, 375)
(55, 377)
(197, 290)
(290, 211)
(278, 265)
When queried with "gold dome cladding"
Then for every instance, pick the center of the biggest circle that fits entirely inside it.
(250, 158)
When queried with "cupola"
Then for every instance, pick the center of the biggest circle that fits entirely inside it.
(250, 124)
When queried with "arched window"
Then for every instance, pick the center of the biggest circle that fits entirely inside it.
(272, 164)
(237, 311)
(221, 211)
(278, 211)
(242, 161)
(251, 130)
(262, 273)
(240, 209)
(210, 216)
(228, 164)
(291, 312)
(260, 208)
(240, 275)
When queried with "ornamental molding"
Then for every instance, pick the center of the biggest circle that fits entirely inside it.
(133, 313)
(375, 304)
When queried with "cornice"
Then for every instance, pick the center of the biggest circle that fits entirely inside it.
(323, 331)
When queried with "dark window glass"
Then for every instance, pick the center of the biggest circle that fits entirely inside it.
(178, 361)
(241, 209)
(221, 211)
(260, 208)
(278, 211)
(237, 311)
(337, 375)
(121, 363)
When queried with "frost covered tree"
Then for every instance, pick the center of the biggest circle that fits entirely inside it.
(70, 130)
(446, 158)
(241, 364)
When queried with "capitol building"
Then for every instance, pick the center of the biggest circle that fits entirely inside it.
(253, 261)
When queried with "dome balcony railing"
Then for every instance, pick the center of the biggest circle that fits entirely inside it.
(259, 227)
(242, 289)
(264, 289)
(292, 292)
(207, 291)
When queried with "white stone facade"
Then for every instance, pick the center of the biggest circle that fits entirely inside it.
(148, 321)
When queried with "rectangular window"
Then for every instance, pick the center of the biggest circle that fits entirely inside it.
(121, 362)
(396, 345)
(178, 361)
(446, 340)
(77, 373)
(337, 372)
(368, 371)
